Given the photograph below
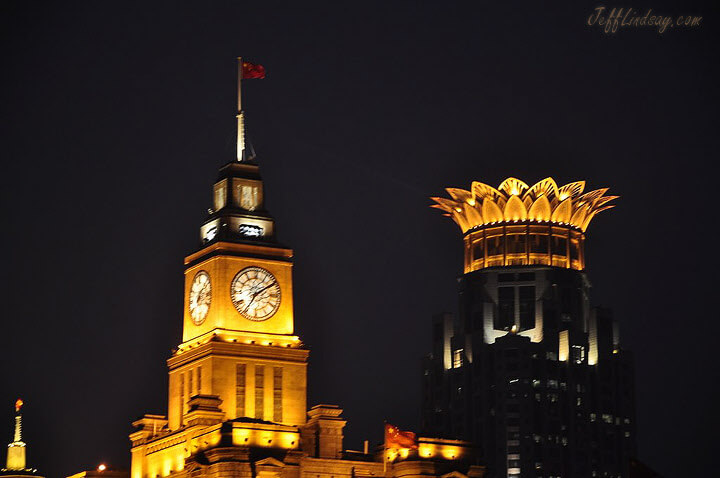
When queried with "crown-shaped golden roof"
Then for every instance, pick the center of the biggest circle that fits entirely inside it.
(514, 201)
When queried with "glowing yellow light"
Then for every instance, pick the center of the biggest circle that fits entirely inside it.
(102, 467)
(425, 450)
(450, 452)
(514, 329)
(544, 201)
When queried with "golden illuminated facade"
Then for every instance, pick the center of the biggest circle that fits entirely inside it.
(238, 381)
(517, 224)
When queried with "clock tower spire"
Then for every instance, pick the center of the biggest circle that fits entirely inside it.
(238, 325)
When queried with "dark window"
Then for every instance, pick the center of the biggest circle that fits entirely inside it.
(479, 250)
(495, 246)
(527, 307)
(277, 394)
(240, 390)
(506, 308)
(559, 246)
(506, 277)
(526, 276)
(478, 318)
(438, 332)
(260, 391)
(574, 250)
(538, 243)
(516, 244)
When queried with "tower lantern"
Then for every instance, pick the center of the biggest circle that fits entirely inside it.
(517, 224)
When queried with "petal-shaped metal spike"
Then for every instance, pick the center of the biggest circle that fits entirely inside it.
(545, 187)
(571, 190)
(513, 187)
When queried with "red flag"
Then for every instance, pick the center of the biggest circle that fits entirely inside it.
(251, 71)
(396, 438)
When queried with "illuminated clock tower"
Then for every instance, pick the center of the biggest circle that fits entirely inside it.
(239, 373)
(238, 340)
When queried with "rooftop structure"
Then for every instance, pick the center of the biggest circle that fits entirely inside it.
(517, 224)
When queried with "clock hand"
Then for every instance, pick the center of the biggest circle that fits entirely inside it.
(256, 294)
(264, 288)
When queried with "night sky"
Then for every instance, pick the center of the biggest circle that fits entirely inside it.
(116, 117)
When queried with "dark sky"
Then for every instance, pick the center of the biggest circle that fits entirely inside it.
(116, 116)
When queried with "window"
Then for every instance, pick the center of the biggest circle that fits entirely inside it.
(495, 246)
(240, 390)
(220, 200)
(574, 249)
(277, 394)
(526, 306)
(559, 246)
(478, 318)
(437, 332)
(182, 397)
(199, 380)
(578, 354)
(245, 195)
(479, 250)
(515, 243)
(506, 308)
(259, 391)
(458, 358)
(190, 383)
(538, 243)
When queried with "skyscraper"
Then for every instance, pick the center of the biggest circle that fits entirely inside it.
(528, 370)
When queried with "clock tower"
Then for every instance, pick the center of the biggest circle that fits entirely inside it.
(240, 374)
(238, 325)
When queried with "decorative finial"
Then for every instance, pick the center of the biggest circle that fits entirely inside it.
(18, 405)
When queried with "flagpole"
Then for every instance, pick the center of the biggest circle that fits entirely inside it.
(385, 459)
(384, 447)
(240, 116)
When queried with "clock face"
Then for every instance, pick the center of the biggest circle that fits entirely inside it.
(255, 293)
(200, 295)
